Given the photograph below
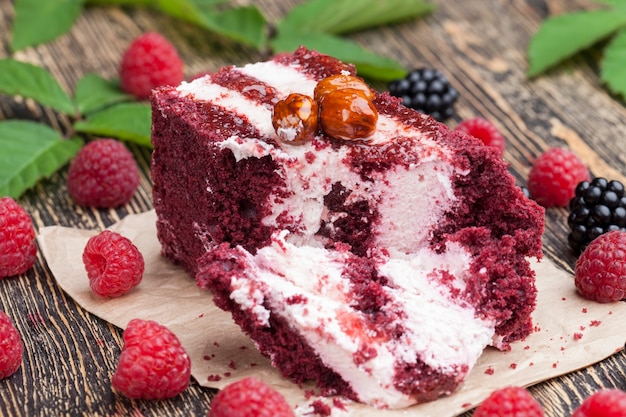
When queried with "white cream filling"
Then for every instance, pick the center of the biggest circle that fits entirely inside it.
(326, 320)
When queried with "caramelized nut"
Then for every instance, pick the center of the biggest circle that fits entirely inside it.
(341, 81)
(295, 119)
(347, 114)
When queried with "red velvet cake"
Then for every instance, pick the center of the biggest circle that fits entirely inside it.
(378, 266)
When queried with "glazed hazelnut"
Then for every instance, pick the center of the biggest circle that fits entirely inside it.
(295, 119)
(340, 81)
(347, 114)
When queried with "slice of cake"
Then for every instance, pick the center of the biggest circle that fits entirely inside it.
(378, 263)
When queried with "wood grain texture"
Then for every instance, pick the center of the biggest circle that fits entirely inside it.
(70, 354)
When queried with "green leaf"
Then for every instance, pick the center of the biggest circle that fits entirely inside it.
(164, 5)
(368, 64)
(613, 3)
(94, 93)
(562, 36)
(243, 24)
(38, 21)
(29, 152)
(613, 64)
(27, 80)
(126, 121)
(344, 16)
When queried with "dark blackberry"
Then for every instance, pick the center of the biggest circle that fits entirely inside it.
(427, 91)
(598, 206)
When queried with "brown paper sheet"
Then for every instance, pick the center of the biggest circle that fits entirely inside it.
(571, 332)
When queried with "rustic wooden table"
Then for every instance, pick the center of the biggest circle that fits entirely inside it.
(70, 354)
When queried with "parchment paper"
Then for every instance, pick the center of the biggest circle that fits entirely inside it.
(571, 332)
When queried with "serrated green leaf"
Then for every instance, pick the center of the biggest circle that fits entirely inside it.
(27, 80)
(38, 21)
(613, 3)
(613, 64)
(94, 93)
(29, 152)
(244, 24)
(344, 16)
(200, 4)
(368, 64)
(127, 121)
(563, 36)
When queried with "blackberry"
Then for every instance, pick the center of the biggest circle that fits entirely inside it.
(598, 206)
(427, 91)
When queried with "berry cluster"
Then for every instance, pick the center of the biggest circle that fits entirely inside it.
(427, 91)
(554, 176)
(249, 397)
(11, 347)
(600, 272)
(153, 364)
(515, 401)
(510, 401)
(113, 263)
(598, 206)
(484, 130)
(150, 61)
(603, 403)
(18, 250)
(103, 174)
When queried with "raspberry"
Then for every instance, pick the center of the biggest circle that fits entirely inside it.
(598, 207)
(153, 365)
(554, 176)
(18, 250)
(600, 272)
(11, 347)
(484, 130)
(427, 91)
(114, 264)
(509, 402)
(249, 397)
(603, 403)
(103, 174)
(150, 61)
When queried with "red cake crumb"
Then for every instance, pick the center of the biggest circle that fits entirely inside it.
(320, 408)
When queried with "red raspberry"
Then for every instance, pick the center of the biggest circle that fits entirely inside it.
(104, 174)
(604, 403)
(249, 397)
(114, 265)
(509, 402)
(600, 272)
(11, 347)
(484, 130)
(18, 250)
(150, 61)
(554, 176)
(153, 365)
